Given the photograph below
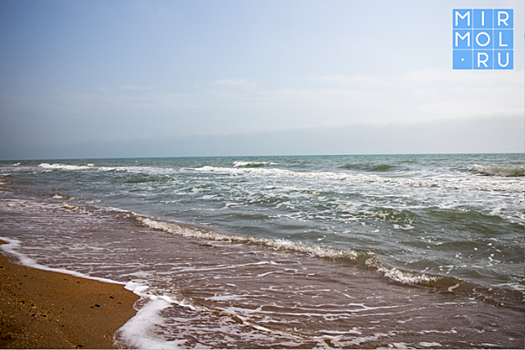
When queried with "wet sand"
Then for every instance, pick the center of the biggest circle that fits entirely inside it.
(43, 309)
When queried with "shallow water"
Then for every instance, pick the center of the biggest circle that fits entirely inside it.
(356, 251)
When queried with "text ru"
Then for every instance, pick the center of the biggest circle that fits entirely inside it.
(483, 39)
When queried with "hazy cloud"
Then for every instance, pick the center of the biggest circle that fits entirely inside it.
(164, 70)
(239, 83)
(135, 87)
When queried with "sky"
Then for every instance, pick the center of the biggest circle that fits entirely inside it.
(106, 79)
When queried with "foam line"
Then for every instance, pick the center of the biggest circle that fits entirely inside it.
(11, 249)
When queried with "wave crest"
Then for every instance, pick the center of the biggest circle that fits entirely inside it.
(57, 166)
(370, 167)
(279, 244)
(241, 164)
(358, 258)
(499, 170)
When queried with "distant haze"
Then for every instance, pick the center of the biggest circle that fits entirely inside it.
(93, 79)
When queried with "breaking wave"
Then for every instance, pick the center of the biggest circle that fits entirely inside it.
(266, 169)
(365, 178)
(358, 258)
(498, 170)
(241, 164)
(278, 244)
(57, 166)
(370, 167)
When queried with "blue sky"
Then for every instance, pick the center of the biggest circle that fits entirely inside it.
(90, 79)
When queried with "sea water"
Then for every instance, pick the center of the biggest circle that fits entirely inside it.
(294, 251)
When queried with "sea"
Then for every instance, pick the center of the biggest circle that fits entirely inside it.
(349, 251)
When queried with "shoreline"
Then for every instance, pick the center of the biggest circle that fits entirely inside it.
(45, 309)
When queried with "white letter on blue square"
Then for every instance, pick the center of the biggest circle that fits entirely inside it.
(483, 59)
(503, 39)
(483, 39)
(504, 19)
(462, 59)
(462, 19)
(483, 19)
(462, 39)
(503, 59)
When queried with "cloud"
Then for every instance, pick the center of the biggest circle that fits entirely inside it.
(470, 135)
(437, 96)
(238, 83)
(333, 78)
(428, 94)
(134, 87)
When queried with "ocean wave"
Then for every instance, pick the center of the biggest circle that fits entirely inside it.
(278, 244)
(370, 167)
(405, 277)
(447, 284)
(498, 170)
(252, 164)
(366, 259)
(139, 170)
(390, 215)
(65, 166)
(437, 182)
(264, 169)
(139, 178)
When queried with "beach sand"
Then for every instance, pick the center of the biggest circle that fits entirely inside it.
(43, 309)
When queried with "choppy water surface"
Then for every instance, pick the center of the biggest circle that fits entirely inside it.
(256, 252)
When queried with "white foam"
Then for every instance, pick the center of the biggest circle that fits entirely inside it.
(64, 166)
(228, 297)
(451, 288)
(394, 274)
(517, 286)
(430, 345)
(400, 345)
(11, 249)
(141, 331)
(90, 166)
(338, 342)
(406, 277)
(258, 168)
(248, 164)
(427, 181)
(279, 244)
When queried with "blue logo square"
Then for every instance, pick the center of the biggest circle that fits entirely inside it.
(504, 19)
(503, 39)
(503, 59)
(462, 19)
(483, 39)
(462, 59)
(462, 39)
(483, 59)
(483, 19)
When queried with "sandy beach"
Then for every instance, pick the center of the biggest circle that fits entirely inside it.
(43, 309)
